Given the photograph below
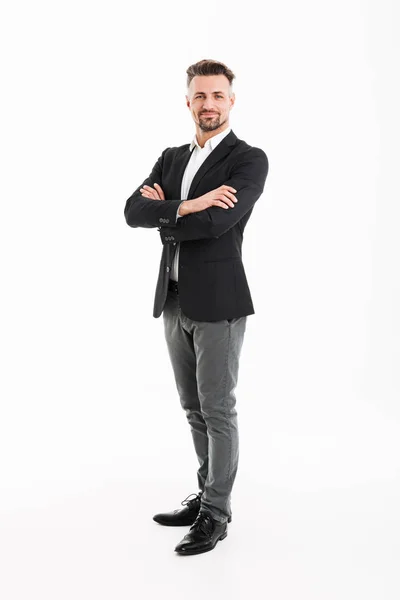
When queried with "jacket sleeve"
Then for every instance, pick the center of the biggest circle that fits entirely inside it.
(145, 212)
(248, 179)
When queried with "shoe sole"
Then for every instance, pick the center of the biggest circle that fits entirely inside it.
(174, 524)
(201, 551)
(181, 524)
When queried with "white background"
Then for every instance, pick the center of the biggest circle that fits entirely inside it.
(93, 440)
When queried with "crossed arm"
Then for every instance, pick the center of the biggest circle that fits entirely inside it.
(144, 212)
(147, 207)
(157, 193)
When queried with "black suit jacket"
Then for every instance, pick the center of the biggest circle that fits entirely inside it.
(212, 281)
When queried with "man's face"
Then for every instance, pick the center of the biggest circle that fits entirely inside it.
(209, 102)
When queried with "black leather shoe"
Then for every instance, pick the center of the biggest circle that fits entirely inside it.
(203, 535)
(183, 516)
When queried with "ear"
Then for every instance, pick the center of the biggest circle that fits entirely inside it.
(232, 99)
(187, 102)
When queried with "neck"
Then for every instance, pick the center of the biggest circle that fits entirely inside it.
(203, 136)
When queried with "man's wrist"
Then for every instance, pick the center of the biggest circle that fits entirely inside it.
(183, 209)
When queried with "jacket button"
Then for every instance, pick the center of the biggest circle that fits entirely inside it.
(168, 269)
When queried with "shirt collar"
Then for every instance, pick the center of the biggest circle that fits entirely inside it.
(212, 142)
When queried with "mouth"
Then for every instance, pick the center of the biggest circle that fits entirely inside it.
(208, 115)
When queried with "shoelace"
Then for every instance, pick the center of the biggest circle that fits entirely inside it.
(204, 523)
(191, 502)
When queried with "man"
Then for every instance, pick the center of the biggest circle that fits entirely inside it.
(200, 196)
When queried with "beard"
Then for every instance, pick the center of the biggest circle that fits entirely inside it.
(210, 123)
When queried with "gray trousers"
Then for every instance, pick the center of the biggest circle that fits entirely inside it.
(205, 361)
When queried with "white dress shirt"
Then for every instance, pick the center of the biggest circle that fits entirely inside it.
(197, 158)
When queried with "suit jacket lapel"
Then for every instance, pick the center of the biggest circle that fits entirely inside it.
(223, 148)
(182, 163)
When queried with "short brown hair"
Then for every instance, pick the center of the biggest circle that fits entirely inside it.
(209, 67)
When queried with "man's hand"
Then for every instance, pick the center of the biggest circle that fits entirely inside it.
(153, 194)
(221, 196)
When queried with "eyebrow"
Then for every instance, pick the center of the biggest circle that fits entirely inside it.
(204, 93)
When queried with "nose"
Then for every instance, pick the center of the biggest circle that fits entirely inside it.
(208, 105)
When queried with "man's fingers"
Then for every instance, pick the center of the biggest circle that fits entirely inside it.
(156, 194)
(230, 198)
(146, 193)
(153, 193)
(229, 195)
(160, 191)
